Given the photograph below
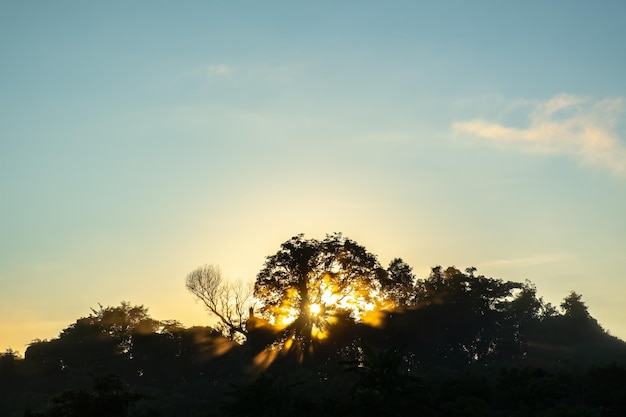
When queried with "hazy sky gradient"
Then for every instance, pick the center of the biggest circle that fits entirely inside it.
(139, 140)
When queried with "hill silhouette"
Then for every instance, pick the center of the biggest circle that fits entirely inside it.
(454, 343)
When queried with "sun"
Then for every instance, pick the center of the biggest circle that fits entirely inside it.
(315, 309)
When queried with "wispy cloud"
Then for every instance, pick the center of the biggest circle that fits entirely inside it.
(565, 124)
(526, 261)
(209, 73)
(220, 70)
(279, 75)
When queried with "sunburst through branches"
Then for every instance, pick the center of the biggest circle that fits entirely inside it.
(309, 285)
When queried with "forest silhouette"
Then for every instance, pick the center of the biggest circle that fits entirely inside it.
(326, 330)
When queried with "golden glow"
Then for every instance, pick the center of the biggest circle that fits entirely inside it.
(290, 316)
(265, 358)
(373, 318)
(315, 309)
(329, 300)
(287, 312)
(328, 297)
(288, 343)
(318, 333)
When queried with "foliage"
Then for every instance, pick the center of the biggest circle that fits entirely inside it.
(465, 318)
(573, 306)
(110, 397)
(8, 361)
(398, 285)
(266, 396)
(382, 381)
(381, 371)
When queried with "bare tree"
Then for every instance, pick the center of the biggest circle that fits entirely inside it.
(230, 302)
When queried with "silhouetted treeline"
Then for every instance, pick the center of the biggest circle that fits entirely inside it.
(454, 344)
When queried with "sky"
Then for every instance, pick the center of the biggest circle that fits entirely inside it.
(140, 140)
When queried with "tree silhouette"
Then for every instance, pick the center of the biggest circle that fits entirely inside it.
(471, 345)
(107, 338)
(460, 318)
(399, 283)
(308, 280)
(9, 364)
(383, 382)
(229, 302)
(110, 397)
(573, 306)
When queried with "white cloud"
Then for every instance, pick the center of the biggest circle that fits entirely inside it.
(565, 124)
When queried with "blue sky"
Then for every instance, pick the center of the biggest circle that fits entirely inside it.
(141, 140)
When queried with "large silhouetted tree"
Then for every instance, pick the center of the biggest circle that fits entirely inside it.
(230, 302)
(309, 278)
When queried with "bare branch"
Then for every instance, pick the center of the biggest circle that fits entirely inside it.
(228, 301)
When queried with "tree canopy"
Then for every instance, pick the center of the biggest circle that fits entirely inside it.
(309, 281)
(574, 307)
